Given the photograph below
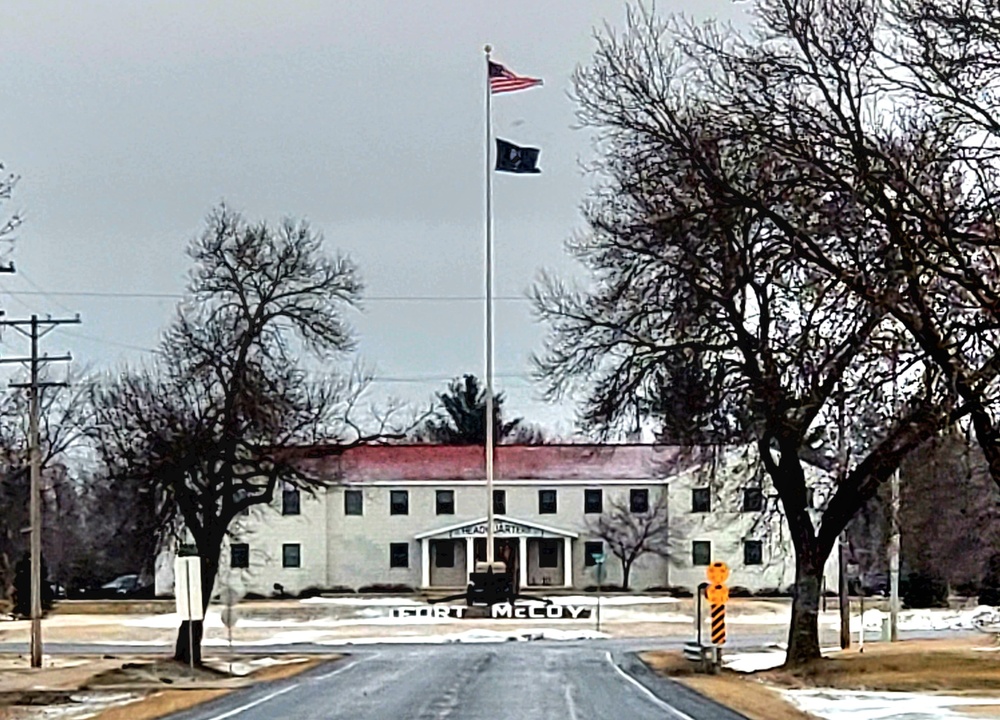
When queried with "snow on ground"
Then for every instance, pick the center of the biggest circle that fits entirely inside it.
(87, 705)
(923, 619)
(481, 635)
(611, 600)
(864, 705)
(171, 620)
(748, 662)
(362, 601)
(766, 659)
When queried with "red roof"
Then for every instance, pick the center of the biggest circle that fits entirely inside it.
(371, 463)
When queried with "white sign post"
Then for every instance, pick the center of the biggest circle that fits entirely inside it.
(599, 559)
(187, 592)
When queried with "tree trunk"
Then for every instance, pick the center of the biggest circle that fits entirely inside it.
(626, 571)
(803, 632)
(189, 641)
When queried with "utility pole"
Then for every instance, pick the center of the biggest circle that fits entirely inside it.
(844, 596)
(894, 538)
(35, 362)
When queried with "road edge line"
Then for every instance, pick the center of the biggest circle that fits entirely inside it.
(659, 702)
(255, 703)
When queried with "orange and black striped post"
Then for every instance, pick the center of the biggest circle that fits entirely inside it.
(718, 624)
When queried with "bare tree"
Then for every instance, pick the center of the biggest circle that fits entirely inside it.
(211, 426)
(9, 224)
(630, 535)
(64, 415)
(698, 244)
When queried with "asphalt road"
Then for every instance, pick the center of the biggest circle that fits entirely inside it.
(538, 680)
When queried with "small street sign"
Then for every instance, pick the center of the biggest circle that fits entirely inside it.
(599, 558)
(718, 573)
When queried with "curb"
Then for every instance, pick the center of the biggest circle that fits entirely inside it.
(681, 697)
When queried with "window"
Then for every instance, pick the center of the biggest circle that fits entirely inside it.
(593, 501)
(546, 502)
(399, 502)
(353, 503)
(445, 502)
(239, 555)
(701, 500)
(753, 500)
(290, 497)
(500, 502)
(548, 552)
(701, 552)
(591, 548)
(638, 501)
(753, 552)
(291, 555)
(399, 555)
(444, 554)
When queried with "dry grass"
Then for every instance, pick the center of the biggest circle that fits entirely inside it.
(734, 690)
(750, 698)
(954, 666)
(909, 666)
(160, 704)
(289, 669)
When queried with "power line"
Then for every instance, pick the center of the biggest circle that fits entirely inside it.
(179, 296)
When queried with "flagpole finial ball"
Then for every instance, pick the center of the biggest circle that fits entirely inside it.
(488, 48)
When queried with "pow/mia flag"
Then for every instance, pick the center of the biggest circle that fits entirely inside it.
(514, 159)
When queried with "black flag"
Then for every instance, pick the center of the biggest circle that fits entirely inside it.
(514, 159)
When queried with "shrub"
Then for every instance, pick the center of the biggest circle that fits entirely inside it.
(768, 592)
(923, 590)
(738, 591)
(989, 592)
(253, 596)
(672, 590)
(316, 591)
(339, 590)
(385, 588)
(22, 588)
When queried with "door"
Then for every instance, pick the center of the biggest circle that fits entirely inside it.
(505, 550)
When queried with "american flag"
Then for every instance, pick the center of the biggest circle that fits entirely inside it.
(503, 80)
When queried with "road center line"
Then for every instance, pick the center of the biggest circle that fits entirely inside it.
(649, 693)
(255, 703)
(570, 705)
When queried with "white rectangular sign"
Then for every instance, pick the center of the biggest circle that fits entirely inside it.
(187, 588)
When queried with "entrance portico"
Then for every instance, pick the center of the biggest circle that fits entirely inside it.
(541, 555)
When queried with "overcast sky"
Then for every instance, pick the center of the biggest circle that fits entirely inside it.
(127, 121)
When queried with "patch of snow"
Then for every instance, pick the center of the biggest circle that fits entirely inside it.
(748, 662)
(362, 601)
(478, 636)
(87, 705)
(863, 705)
(924, 619)
(613, 600)
(171, 620)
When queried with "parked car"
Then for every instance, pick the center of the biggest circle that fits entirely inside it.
(123, 586)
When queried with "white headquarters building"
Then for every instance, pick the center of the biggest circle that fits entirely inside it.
(415, 516)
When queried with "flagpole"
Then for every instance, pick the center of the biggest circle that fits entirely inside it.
(489, 315)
